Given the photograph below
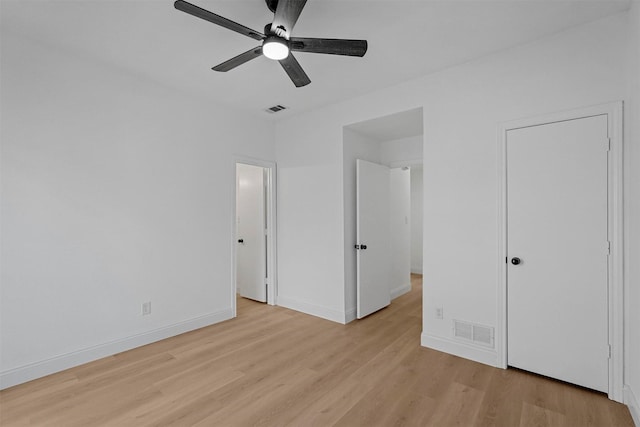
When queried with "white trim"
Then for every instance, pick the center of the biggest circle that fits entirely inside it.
(467, 351)
(416, 271)
(400, 290)
(272, 279)
(312, 309)
(616, 300)
(59, 363)
(632, 403)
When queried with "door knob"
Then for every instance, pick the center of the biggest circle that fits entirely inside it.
(363, 246)
(515, 260)
(240, 240)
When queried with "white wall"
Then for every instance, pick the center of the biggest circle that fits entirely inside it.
(400, 235)
(632, 216)
(581, 67)
(463, 107)
(311, 220)
(406, 150)
(115, 191)
(416, 219)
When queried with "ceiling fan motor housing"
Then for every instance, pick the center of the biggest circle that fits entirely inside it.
(272, 5)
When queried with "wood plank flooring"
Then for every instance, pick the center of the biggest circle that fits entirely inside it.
(275, 367)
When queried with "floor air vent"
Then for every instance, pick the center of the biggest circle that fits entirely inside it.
(477, 334)
(275, 108)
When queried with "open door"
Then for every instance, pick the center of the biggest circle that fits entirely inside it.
(251, 237)
(373, 229)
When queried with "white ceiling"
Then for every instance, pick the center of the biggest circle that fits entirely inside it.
(407, 39)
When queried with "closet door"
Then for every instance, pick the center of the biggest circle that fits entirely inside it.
(557, 245)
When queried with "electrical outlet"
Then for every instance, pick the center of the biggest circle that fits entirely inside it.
(146, 308)
(439, 313)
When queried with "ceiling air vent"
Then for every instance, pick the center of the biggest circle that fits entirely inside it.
(275, 108)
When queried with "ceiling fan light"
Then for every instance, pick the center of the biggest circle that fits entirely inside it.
(275, 48)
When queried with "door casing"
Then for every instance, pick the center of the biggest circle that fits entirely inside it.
(615, 226)
(270, 196)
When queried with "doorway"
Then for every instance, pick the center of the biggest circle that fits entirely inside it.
(561, 293)
(395, 142)
(253, 235)
(383, 234)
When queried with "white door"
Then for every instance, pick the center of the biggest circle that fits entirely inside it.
(374, 258)
(250, 227)
(557, 229)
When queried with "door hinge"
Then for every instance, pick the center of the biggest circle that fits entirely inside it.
(609, 351)
(608, 144)
(608, 247)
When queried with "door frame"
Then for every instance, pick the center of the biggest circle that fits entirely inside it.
(270, 197)
(614, 112)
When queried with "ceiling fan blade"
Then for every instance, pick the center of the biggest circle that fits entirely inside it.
(239, 60)
(329, 46)
(295, 71)
(201, 13)
(286, 16)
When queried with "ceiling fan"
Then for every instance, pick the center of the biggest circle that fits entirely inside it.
(277, 42)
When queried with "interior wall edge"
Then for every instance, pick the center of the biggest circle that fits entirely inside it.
(632, 403)
(350, 315)
(400, 290)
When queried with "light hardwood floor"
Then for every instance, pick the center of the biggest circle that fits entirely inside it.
(276, 367)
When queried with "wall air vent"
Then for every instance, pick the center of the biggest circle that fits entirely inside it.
(473, 333)
(275, 108)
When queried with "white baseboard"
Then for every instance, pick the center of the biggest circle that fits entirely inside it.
(46, 367)
(416, 270)
(351, 314)
(312, 309)
(632, 403)
(400, 290)
(471, 352)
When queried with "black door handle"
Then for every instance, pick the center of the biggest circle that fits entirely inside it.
(363, 247)
(240, 240)
(515, 261)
